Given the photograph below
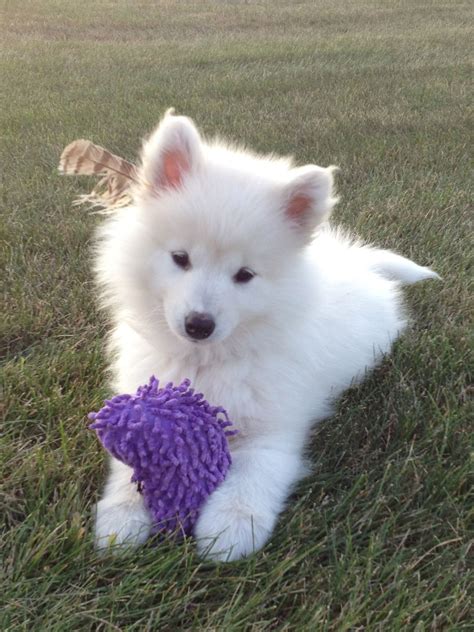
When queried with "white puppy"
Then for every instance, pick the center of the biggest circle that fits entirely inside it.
(225, 271)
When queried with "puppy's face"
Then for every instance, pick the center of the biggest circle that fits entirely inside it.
(206, 293)
(226, 230)
(217, 258)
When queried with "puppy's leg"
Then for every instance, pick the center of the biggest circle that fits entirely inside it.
(121, 516)
(238, 518)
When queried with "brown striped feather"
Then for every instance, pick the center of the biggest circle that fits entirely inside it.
(82, 157)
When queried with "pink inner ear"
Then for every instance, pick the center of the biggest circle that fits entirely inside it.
(298, 208)
(175, 165)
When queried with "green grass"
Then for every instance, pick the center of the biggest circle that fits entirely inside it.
(377, 538)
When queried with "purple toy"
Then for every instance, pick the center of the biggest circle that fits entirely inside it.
(176, 444)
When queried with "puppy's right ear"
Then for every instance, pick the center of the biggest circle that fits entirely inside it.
(172, 152)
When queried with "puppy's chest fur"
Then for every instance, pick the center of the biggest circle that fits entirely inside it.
(241, 385)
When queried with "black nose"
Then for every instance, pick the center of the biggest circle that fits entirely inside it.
(199, 326)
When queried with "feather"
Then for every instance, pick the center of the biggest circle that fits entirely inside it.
(82, 157)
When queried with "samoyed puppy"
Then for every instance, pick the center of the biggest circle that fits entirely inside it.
(226, 271)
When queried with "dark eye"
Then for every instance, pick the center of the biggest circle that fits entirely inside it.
(181, 259)
(244, 275)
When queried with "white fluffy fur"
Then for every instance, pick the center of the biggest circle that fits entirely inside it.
(320, 311)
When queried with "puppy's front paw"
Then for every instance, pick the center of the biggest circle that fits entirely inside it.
(121, 524)
(228, 530)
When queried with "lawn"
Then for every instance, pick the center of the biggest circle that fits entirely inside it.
(377, 538)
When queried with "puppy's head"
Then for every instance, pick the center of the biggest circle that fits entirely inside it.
(211, 245)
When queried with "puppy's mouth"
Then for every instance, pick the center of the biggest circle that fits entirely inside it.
(207, 342)
(182, 335)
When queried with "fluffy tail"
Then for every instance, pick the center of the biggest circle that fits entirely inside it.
(398, 268)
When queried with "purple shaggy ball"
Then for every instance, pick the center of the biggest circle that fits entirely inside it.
(176, 443)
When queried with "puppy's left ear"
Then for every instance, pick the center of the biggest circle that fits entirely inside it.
(308, 198)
